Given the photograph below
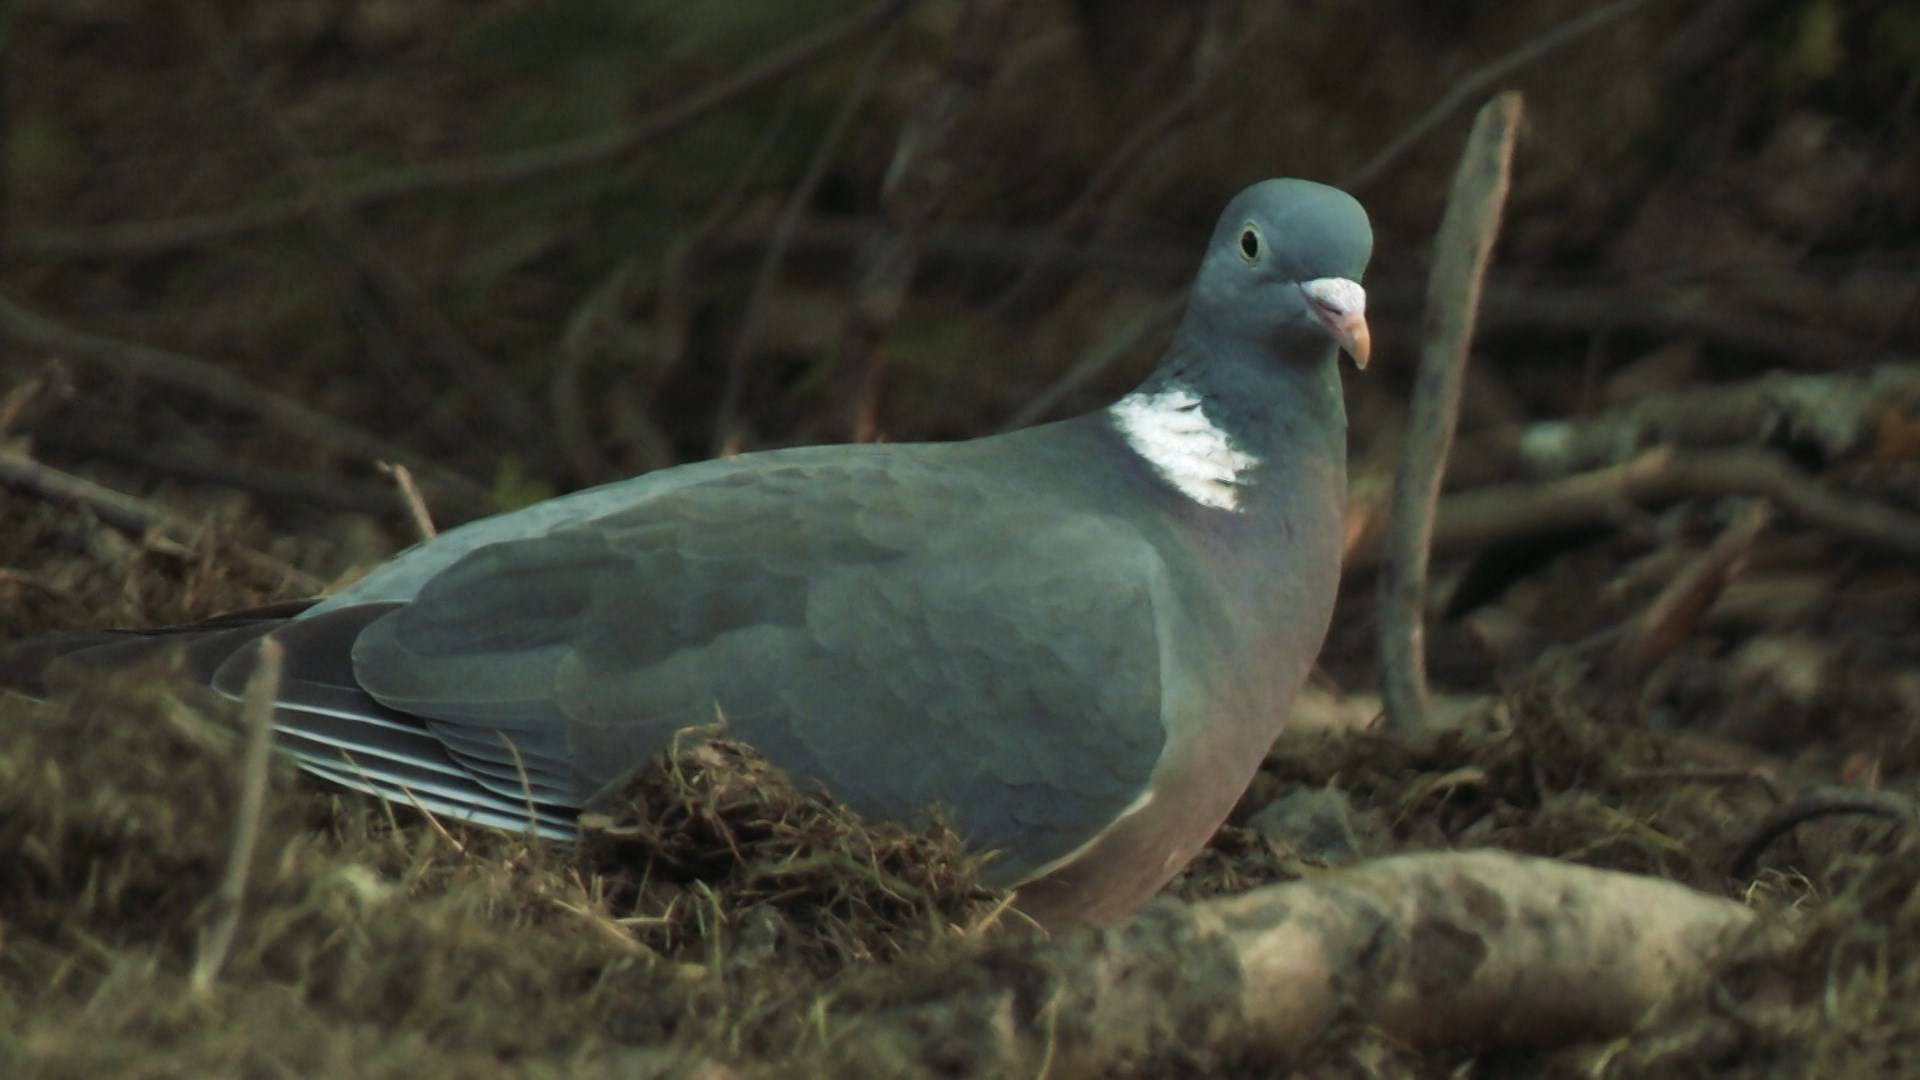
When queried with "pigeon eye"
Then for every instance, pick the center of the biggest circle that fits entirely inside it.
(1250, 243)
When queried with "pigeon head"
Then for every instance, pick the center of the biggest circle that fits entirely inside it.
(1283, 269)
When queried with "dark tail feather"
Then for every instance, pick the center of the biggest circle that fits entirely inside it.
(38, 665)
(25, 665)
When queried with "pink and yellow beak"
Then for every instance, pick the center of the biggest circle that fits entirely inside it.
(1341, 306)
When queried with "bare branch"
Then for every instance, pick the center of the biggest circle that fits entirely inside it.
(35, 331)
(1678, 608)
(1461, 252)
(1473, 519)
(136, 516)
(1484, 79)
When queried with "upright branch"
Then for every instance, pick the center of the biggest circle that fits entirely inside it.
(256, 709)
(1461, 251)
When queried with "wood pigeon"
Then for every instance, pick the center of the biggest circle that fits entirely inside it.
(1078, 639)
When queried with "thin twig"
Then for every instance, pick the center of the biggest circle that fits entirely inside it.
(401, 299)
(1111, 172)
(410, 500)
(727, 420)
(1821, 802)
(304, 487)
(138, 516)
(1714, 30)
(1461, 252)
(1734, 321)
(1484, 78)
(917, 179)
(1147, 322)
(1677, 609)
(120, 510)
(590, 149)
(256, 710)
(32, 330)
(1635, 777)
(1125, 159)
(596, 323)
(49, 386)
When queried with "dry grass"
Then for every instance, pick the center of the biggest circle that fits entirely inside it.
(717, 914)
(376, 943)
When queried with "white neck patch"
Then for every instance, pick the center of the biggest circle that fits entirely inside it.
(1171, 430)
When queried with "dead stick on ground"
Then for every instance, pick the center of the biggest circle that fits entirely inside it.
(1678, 608)
(1461, 252)
(256, 709)
(1469, 949)
(410, 500)
(137, 515)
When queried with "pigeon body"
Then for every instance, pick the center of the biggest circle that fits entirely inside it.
(1078, 639)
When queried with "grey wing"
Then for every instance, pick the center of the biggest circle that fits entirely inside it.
(402, 577)
(890, 631)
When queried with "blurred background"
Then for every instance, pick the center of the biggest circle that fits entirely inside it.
(250, 248)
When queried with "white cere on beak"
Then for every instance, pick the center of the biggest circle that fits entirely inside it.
(1341, 305)
(1337, 294)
